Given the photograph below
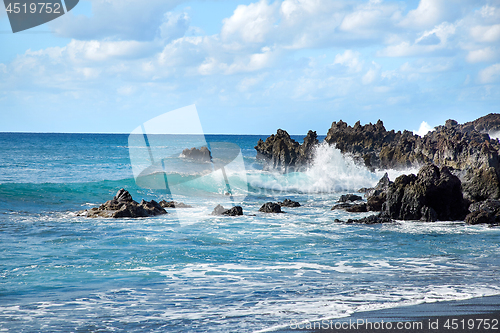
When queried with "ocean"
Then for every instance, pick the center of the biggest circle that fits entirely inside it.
(190, 271)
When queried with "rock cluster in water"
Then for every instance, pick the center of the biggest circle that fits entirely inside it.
(173, 204)
(462, 156)
(200, 155)
(234, 211)
(122, 205)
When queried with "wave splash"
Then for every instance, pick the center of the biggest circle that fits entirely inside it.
(330, 172)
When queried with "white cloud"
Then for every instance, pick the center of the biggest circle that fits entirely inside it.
(370, 76)
(482, 55)
(250, 24)
(490, 74)
(103, 51)
(119, 19)
(489, 33)
(366, 18)
(174, 26)
(428, 42)
(432, 12)
(350, 60)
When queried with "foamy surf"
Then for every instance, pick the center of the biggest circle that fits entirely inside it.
(330, 172)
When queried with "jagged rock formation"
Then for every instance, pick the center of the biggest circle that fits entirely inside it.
(460, 147)
(200, 155)
(122, 205)
(283, 153)
(234, 211)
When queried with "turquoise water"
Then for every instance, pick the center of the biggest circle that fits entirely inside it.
(64, 273)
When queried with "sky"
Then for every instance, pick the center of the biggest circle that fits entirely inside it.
(251, 67)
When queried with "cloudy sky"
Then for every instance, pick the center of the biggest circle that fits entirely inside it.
(251, 67)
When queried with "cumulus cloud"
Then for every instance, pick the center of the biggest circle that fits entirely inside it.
(349, 59)
(490, 33)
(250, 24)
(482, 55)
(120, 19)
(490, 74)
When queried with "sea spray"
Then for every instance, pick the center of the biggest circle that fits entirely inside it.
(330, 172)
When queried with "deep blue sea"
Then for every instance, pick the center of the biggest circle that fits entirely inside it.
(189, 271)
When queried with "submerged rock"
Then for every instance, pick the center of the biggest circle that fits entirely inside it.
(270, 207)
(349, 198)
(122, 205)
(289, 203)
(234, 211)
(173, 204)
(372, 219)
(200, 155)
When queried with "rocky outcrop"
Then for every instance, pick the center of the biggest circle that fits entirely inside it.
(234, 211)
(489, 124)
(434, 194)
(200, 155)
(270, 207)
(281, 152)
(289, 203)
(467, 149)
(486, 212)
(122, 205)
(173, 204)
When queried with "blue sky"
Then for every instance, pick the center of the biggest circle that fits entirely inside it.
(251, 67)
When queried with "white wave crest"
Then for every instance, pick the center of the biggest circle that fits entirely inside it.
(331, 171)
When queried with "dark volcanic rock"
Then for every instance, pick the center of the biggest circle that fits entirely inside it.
(487, 124)
(234, 211)
(434, 194)
(289, 203)
(349, 198)
(372, 219)
(173, 204)
(375, 202)
(270, 207)
(465, 147)
(201, 155)
(283, 153)
(377, 195)
(218, 210)
(122, 205)
(481, 184)
(343, 205)
(486, 212)
(360, 208)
